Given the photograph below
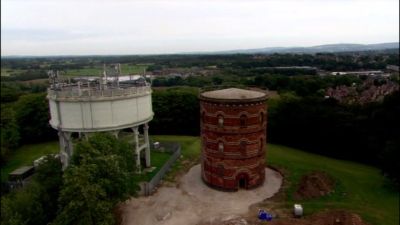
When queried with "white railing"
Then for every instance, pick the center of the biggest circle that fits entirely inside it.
(84, 92)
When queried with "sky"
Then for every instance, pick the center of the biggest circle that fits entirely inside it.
(97, 27)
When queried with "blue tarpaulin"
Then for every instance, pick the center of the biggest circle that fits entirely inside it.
(263, 215)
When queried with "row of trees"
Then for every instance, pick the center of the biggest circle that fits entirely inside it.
(365, 133)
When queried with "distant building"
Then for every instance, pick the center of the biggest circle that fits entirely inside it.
(360, 73)
(393, 68)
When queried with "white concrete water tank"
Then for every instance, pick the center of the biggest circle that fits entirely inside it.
(90, 110)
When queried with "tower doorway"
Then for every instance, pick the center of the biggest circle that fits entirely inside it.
(242, 181)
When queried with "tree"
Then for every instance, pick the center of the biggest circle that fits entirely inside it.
(32, 115)
(176, 111)
(9, 132)
(217, 80)
(23, 206)
(83, 200)
(97, 180)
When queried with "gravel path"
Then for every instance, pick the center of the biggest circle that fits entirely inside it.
(194, 202)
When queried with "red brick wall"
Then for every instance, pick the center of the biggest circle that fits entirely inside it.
(234, 149)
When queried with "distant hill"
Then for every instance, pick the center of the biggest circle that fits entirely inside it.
(330, 48)
(315, 49)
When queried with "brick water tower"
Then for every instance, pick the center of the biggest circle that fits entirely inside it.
(233, 132)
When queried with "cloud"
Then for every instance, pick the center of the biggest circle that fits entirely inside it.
(132, 27)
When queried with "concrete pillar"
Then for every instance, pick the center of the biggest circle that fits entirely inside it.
(147, 141)
(86, 136)
(115, 133)
(66, 148)
(137, 152)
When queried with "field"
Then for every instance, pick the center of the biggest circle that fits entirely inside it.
(127, 69)
(96, 71)
(360, 188)
(8, 72)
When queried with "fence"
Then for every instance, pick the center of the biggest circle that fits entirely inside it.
(81, 92)
(175, 149)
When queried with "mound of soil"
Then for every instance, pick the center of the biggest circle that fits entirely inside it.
(337, 217)
(313, 185)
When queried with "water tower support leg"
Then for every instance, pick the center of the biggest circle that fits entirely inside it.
(66, 148)
(137, 152)
(146, 139)
(70, 147)
(116, 133)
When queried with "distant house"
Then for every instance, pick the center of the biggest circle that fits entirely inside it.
(360, 73)
(393, 68)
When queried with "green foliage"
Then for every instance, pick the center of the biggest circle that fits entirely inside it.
(352, 132)
(360, 188)
(82, 198)
(32, 115)
(176, 111)
(24, 205)
(387, 125)
(9, 132)
(49, 175)
(98, 178)
(36, 203)
(9, 92)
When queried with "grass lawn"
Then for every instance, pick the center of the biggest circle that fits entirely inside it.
(190, 153)
(360, 188)
(25, 155)
(158, 159)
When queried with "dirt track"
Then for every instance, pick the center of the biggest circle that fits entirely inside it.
(193, 202)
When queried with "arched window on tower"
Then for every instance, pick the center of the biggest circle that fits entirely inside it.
(203, 117)
(262, 117)
(243, 147)
(261, 144)
(220, 147)
(220, 121)
(243, 121)
(220, 170)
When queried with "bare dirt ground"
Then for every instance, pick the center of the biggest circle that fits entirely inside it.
(193, 202)
(314, 185)
(331, 217)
